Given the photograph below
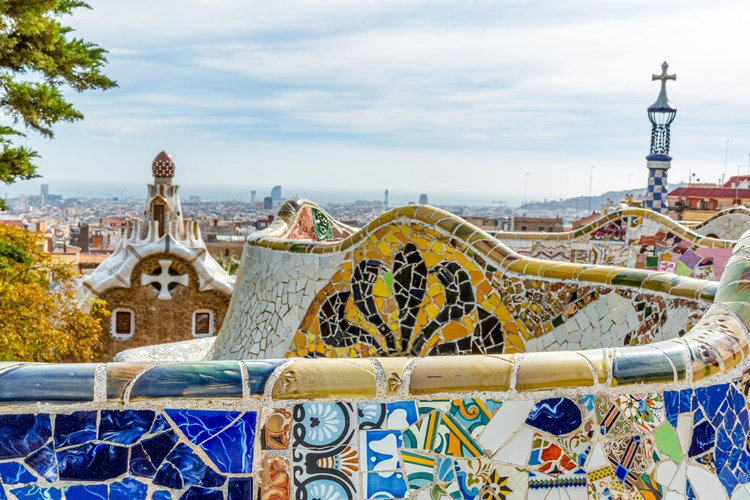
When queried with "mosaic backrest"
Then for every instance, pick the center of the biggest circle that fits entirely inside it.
(418, 281)
(728, 224)
(669, 419)
(631, 237)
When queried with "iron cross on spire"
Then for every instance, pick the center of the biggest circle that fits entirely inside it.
(663, 77)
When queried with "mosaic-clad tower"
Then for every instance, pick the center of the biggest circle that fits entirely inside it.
(661, 114)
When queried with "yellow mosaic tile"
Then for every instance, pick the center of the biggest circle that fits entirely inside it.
(464, 374)
(326, 378)
(553, 370)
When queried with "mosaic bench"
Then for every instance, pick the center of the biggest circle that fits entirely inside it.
(651, 416)
(637, 238)
(727, 224)
(419, 281)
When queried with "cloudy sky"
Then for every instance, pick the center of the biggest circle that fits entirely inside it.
(458, 99)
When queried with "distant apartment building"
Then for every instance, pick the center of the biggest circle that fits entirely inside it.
(698, 202)
(268, 203)
(537, 224)
(490, 223)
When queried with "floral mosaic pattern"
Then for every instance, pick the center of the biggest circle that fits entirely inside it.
(689, 443)
(409, 291)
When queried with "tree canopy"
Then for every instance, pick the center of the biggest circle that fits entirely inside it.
(40, 318)
(39, 59)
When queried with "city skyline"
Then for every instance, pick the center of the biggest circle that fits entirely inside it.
(405, 96)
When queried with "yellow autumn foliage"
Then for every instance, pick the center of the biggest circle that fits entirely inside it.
(40, 318)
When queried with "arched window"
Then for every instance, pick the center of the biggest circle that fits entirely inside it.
(122, 323)
(204, 323)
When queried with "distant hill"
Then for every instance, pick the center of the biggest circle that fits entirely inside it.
(582, 202)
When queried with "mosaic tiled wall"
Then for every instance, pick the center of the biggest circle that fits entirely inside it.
(664, 420)
(634, 238)
(419, 281)
(729, 224)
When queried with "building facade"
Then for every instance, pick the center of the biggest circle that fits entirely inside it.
(161, 284)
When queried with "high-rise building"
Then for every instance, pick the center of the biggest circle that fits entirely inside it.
(423, 200)
(267, 203)
(45, 190)
(276, 193)
(385, 200)
(661, 114)
(253, 196)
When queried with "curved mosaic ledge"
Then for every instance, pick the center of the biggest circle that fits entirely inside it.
(729, 223)
(385, 291)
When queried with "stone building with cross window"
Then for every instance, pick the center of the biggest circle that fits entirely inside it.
(160, 284)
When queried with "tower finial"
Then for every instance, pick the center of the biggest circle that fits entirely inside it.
(662, 102)
(163, 166)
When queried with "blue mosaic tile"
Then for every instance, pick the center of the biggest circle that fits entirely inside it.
(160, 424)
(401, 414)
(728, 480)
(87, 492)
(15, 473)
(189, 380)
(23, 434)
(77, 428)
(158, 447)
(687, 401)
(240, 489)
(258, 372)
(140, 464)
(37, 493)
(704, 436)
(200, 425)
(195, 493)
(712, 397)
(672, 406)
(49, 383)
(371, 415)
(379, 450)
(555, 415)
(128, 489)
(184, 468)
(43, 462)
(124, 427)
(161, 495)
(385, 485)
(232, 450)
(92, 462)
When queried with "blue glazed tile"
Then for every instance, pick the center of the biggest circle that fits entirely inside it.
(728, 480)
(689, 491)
(380, 450)
(49, 383)
(672, 406)
(189, 380)
(723, 448)
(87, 492)
(240, 489)
(162, 495)
(23, 434)
(555, 415)
(258, 372)
(200, 425)
(37, 493)
(687, 401)
(158, 447)
(15, 473)
(140, 465)
(77, 428)
(128, 489)
(160, 424)
(370, 415)
(124, 427)
(43, 462)
(232, 450)
(698, 416)
(385, 485)
(321, 425)
(401, 414)
(195, 493)
(184, 468)
(704, 436)
(712, 397)
(92, 462)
